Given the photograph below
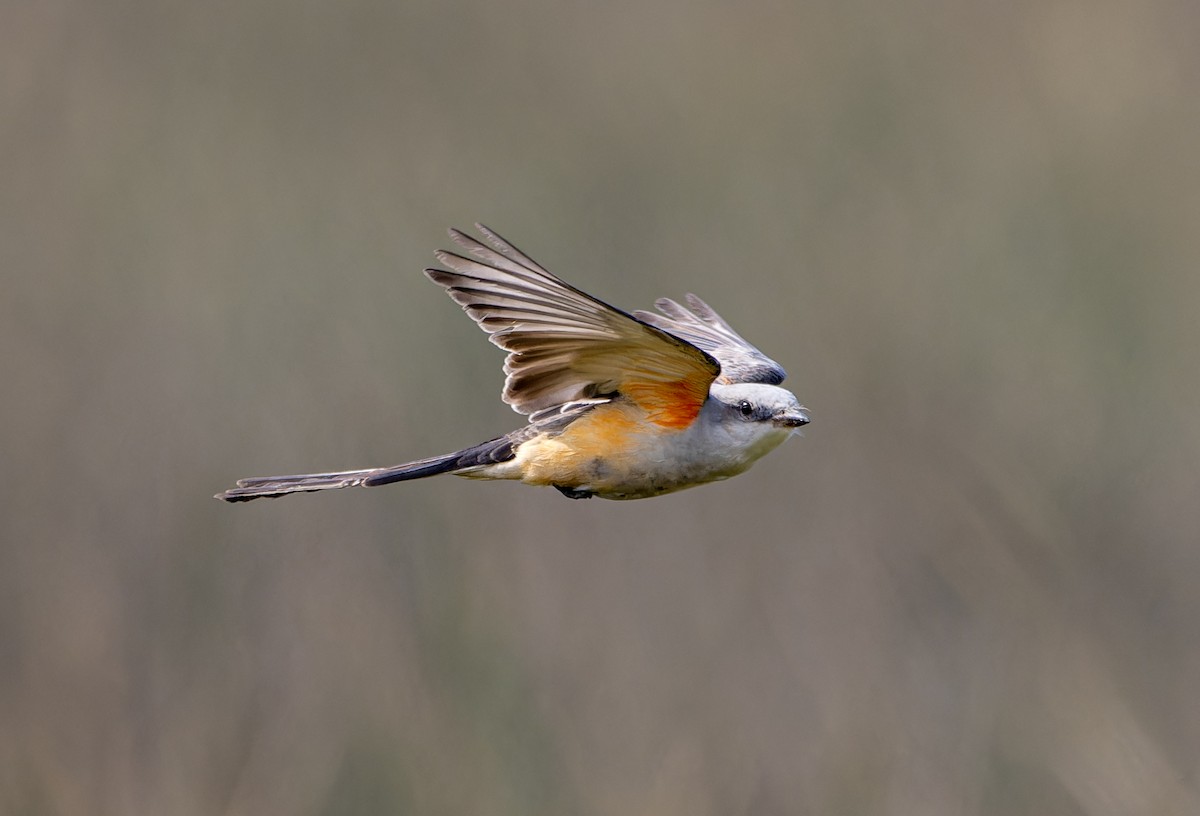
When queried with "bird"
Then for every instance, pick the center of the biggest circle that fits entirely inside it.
(619, 405)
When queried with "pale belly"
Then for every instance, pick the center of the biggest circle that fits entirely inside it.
(649, 470)
(614, 455)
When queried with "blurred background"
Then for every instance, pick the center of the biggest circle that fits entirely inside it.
(969, 232)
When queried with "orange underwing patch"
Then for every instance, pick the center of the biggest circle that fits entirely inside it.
(671, 404)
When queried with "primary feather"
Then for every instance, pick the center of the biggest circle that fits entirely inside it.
(565, 346)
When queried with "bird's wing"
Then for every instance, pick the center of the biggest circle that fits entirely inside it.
(564, 346)
(704, 328)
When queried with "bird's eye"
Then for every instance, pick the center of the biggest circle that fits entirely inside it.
(746, 408)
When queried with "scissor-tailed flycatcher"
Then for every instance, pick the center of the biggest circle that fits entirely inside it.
(620, 406)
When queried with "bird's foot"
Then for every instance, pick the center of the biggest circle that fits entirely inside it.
(572, 493)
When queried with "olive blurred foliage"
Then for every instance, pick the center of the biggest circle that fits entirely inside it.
(968, 230)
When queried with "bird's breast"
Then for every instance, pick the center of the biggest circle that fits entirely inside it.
(613, 451)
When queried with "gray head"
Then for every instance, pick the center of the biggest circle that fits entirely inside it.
(759, 403)
(748, 420)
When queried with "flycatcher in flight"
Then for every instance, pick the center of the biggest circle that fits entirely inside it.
(620, 406)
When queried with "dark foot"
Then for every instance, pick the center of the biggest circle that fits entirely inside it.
(572, 493)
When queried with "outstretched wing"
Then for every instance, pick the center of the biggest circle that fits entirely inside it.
(704, 328)
(565, 346)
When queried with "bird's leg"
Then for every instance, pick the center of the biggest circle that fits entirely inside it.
(572, 493)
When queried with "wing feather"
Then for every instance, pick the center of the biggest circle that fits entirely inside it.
(703, 327)
(566, 347)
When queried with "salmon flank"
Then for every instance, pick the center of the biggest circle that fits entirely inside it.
(593, 450)
(672, 404)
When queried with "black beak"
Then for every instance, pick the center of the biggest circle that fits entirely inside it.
(791, 419)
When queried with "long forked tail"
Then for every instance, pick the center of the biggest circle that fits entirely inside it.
(491, 452)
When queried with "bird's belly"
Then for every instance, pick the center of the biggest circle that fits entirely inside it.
(615, 462)
(615, 476)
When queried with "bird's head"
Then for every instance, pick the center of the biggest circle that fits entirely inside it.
(760, 404)
(753, 418)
